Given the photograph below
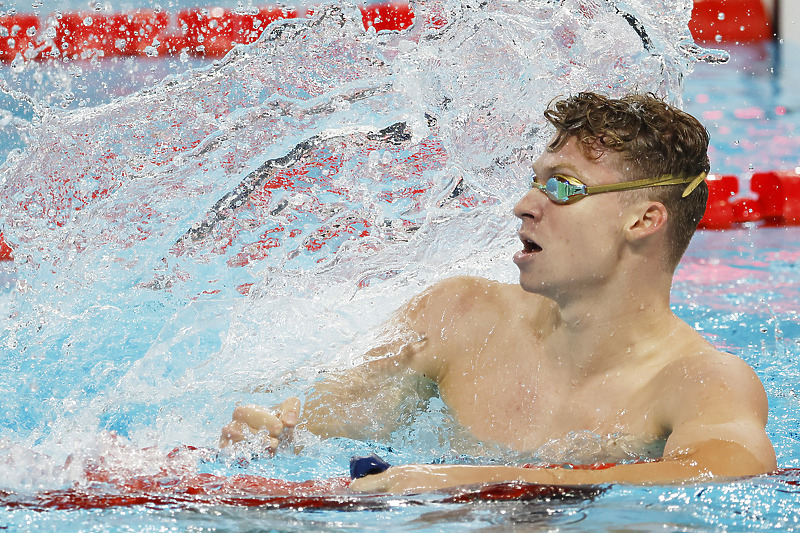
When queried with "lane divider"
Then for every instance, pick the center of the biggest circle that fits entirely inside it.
(202, 32)
(777, 202)
(730, 21)
(211, 32)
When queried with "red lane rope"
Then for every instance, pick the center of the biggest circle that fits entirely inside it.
(730, 21)
(211, 32)
(255, 491)
(203, 32)
(276, 493)
(777, 201)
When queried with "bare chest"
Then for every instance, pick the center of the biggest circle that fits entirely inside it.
(530, 406)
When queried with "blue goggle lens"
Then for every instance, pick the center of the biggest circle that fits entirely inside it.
(561, 189)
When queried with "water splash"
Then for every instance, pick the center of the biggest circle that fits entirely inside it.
(249, 222)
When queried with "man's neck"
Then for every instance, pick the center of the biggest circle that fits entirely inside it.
(611, 326)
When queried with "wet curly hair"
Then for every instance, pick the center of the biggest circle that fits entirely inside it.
(653, 138)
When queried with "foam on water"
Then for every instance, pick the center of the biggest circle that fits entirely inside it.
(230, 232)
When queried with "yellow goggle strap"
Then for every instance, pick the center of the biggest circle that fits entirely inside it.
(667, 179)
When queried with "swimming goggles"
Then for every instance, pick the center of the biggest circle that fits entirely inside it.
(563, 189)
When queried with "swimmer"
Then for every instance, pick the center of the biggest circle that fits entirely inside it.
(586, 342)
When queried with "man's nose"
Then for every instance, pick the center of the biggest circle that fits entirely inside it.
(530, 204)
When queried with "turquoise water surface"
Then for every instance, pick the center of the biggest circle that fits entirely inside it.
(164, 273)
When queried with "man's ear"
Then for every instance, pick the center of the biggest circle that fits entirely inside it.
(645, 219)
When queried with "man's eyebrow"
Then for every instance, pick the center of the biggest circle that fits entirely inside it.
(560, 168)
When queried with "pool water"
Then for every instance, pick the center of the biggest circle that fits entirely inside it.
(131, 333)
(750, 108)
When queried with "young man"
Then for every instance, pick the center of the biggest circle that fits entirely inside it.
(586, 343)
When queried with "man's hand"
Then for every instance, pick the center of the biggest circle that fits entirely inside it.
(273, 427)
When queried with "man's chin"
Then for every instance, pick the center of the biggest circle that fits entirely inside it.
(534, 287)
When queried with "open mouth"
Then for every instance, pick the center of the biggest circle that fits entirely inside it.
(529, 246)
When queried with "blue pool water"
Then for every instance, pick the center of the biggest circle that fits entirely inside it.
(124, 339)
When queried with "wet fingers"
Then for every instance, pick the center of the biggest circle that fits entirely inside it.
(233, 433)
(290, 412)
(258, 418)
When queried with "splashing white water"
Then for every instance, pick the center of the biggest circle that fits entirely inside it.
(238, 227)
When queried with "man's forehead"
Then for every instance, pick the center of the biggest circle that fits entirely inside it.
(583, 164)
(575, 150)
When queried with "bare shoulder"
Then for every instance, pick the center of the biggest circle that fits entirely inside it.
(456, 295)
(709, 368)
(714, 407)
(462, 296)
(709, 395)
(468, 286)
(711, 380)
(460, 312)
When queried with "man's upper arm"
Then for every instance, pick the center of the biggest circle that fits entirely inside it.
(718, 417)
(436, 317)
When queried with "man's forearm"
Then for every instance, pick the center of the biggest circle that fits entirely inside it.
(714, 459)
(423, 478)
(365, 403)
